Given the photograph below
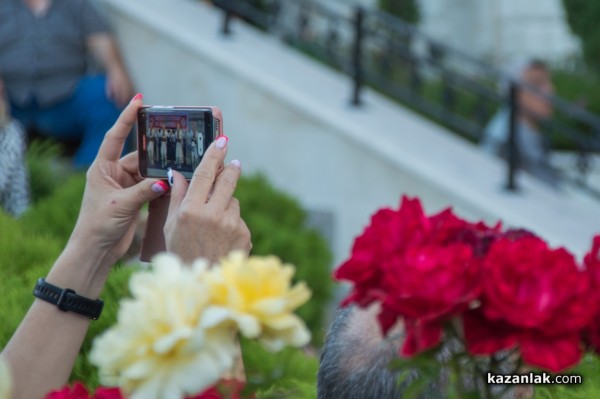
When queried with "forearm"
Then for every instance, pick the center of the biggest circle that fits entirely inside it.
(105, 50)
(43, 350)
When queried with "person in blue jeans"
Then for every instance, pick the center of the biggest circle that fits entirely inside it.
(45, 46)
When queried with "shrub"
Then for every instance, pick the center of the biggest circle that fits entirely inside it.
(277, 223)
(42, 177)
(583, 18)
(407, 10)
(30, 245)
(289, 373)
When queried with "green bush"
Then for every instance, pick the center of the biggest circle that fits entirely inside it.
(289, 373)
(583, 16)
(30, 245)
(41, 154)
(407, 10)
(277, 223)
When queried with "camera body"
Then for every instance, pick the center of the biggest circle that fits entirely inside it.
(175, 137)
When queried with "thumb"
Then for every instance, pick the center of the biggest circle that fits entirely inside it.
(179, 188)
(145, 191)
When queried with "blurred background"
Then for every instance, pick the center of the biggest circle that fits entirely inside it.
(337, 108)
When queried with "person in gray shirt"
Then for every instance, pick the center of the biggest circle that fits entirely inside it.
(44, 49)
(533, 108)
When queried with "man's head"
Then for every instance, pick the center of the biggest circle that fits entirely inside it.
(537, 84)
(356, 358)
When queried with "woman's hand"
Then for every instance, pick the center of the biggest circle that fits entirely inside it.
(114, 194)
(204, 217)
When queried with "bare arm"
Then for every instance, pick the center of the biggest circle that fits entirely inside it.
(43, 350)
(105, 50)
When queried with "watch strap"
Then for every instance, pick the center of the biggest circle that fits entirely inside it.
(67, 300)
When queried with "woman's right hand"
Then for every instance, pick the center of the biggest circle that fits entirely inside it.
(204, 218)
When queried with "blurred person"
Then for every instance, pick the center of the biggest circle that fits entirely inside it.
(356, 357)
(44, 49)
(179, 135)
(204, 221)
(533, 109)
(14, 187)
(163, 146)
(356, 361)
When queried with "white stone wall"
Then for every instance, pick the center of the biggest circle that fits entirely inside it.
(289, 117)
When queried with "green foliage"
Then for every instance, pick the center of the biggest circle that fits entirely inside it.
(42, 177)
(277, 223)
(56, 215)
(116, 288)
(30, 245)
(289, 373)
(589, 369)
(583, 16)
(24, 259)
(407, 10)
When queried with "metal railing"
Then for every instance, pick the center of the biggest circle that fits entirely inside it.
(458, 91)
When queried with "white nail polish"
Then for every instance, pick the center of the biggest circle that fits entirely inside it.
(170, 176)
(237, 163)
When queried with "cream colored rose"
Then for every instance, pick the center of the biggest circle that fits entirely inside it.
(5, 380)
(258, 293)
(167, 343)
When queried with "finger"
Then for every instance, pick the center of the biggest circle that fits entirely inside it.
(145, 191)
(114, 140)
(234, 206)
(225, 187)
(206, 173)
(129, 163)
(179, 189)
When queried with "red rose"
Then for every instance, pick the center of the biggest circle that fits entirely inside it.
(429, 282)
(108, 393)
(78, 391)
(592, 264)
(389, 232)
(530, 286)
(535, 297)
(426, 286)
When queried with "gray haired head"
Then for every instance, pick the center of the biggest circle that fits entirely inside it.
(355, 360)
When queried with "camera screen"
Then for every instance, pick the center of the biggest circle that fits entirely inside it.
(173, 138)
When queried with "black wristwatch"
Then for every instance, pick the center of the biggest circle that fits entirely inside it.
(67, 300)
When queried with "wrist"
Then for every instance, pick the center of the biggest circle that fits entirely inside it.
(82, 267)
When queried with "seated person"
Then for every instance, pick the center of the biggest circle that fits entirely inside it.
(44, 47)
(202, 222)
(533, 109)
(14, 190)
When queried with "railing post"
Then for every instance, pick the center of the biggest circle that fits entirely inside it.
(512, 155)
(227, 17)
(357, 70)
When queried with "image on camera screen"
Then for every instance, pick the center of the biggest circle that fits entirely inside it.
(174, 140)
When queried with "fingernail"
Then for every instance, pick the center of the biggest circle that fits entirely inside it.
(138, 96)
(221, 142)
(160, 187)
(237, 163)
(170, 176)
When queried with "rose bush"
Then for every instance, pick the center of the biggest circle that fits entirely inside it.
(486, 294)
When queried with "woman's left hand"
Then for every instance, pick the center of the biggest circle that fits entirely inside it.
(114, 193)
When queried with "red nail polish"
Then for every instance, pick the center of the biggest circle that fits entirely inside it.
(160, 187)
(138, 96)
